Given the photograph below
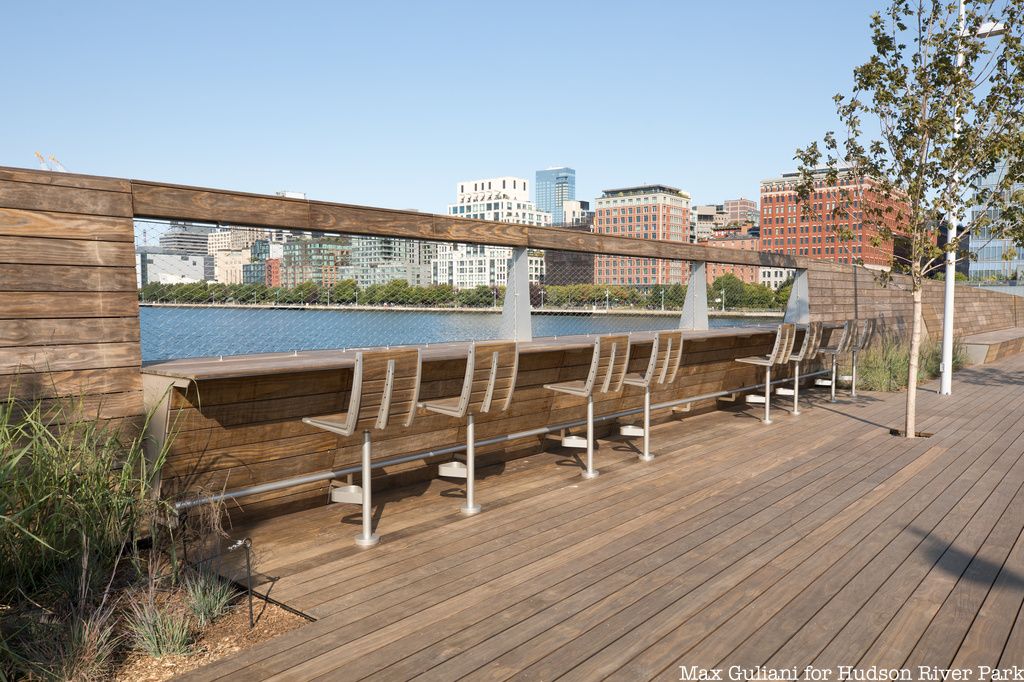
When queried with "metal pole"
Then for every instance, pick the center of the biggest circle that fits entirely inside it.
(768, 394)
(367, 538)
(471, 506)
(590, 472)
(647, 456)
(796, 389)
(946, 381)
(835, 362)
(853, 377)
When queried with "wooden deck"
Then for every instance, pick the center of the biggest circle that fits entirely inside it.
(819, 540)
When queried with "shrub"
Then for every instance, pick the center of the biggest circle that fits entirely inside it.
(158, 631)
(73, 491)
(885, 364)
(207, 596)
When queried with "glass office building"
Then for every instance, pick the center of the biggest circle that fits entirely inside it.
(995, 258)
(553, 186)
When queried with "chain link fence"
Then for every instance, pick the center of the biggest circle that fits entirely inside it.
(213, 290)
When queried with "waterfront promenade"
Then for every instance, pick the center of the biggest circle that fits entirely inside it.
(818, 540)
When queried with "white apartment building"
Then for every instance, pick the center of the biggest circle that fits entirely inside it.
(227, 265)
(774, 277)
(502, 199)
(165, 267)
(378, 260)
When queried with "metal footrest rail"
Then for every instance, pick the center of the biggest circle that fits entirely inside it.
(461, 447)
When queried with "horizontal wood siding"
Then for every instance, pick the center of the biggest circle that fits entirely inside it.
(69, 325)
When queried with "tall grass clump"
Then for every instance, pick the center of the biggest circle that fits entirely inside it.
(207, 596)
(73, 492)
(884, 366)
(159, 631)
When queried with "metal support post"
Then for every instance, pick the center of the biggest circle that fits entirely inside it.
(853, 376)
(647, 456)
(471, 507)
(695, 305)
(768, 395)
(367, 538)
(835, 376)
(796, 389)
(515, 312)
(591, 472)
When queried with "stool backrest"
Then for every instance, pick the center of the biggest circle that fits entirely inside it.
(867, 332)
(811, 343)
(608, 365)
(385, 384)
(670, 354)
(491, 369)
(846, 335)
(783, 344)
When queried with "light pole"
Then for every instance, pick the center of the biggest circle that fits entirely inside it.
(607, 295)
(986, 30)
(663, 300)
(542, 299)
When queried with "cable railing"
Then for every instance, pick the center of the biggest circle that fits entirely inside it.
(215, 290)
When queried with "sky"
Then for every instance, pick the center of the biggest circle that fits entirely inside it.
(392, 103)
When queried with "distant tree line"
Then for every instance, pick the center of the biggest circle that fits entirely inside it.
(400, 293)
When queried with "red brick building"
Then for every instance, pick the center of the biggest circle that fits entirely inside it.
(647, 212)
(787, 228)
(747, 273)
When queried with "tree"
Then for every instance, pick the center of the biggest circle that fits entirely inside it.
(946, 103)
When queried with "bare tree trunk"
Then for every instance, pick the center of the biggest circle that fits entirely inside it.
(910, 429)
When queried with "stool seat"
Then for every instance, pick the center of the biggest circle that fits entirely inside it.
(487, 387)
(338, 424)
(661, 369)
(635, 379)
(760, 360)
(450, 407)
(577, 388)
(608, 365)
(781, 351)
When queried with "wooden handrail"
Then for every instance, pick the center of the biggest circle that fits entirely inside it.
(167, 201)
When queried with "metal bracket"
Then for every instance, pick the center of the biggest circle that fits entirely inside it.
(695, 305)
(452, 469)
(798, 307)
(515, 313)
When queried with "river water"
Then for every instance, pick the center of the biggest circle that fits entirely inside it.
(184, 332)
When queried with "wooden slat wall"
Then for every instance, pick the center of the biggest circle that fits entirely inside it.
(69, 314)
(840, 293)
(234, 433)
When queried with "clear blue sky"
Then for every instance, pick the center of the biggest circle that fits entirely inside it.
(391, 103)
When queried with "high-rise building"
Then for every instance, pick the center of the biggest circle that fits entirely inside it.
(576, 214)
(996, 258)
(165, 266)
(186, 238)
(320, 261)
(741, 242)
(378, 260)
(553, 187)
(504, 199)
(233, 239)
(645, 212)
(787, 228)
(740, 211)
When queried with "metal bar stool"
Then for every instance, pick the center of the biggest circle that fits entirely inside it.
(666, 354)
(867, 332)
(490, 379)
(385, 384)
(781, 352)
(808, 350)
(607, 370)
(847, 334)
